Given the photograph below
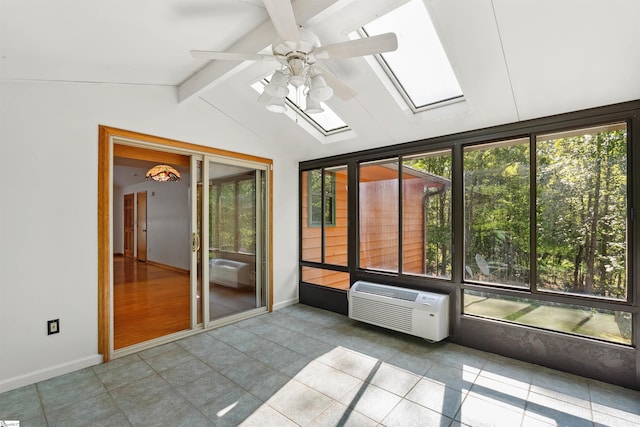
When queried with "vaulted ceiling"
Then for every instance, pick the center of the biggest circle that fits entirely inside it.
(514, 59)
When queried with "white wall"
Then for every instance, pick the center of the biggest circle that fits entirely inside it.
(168, 221)
(48, 216)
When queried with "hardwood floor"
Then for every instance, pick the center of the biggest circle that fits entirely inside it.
(149, 302)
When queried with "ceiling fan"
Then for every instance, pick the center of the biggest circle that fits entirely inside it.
(299, 50)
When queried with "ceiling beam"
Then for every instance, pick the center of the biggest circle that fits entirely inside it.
(137, 153)
(218, 71)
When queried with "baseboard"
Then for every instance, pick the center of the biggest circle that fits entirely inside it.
(168, 267)
(47, 373)
(284, 304)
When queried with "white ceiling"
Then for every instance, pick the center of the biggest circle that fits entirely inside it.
(514, 59)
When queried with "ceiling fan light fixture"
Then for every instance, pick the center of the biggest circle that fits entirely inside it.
(298, 71)
(277, 105)
(313, 106)
(163, 173)
(277, 86)
(318, 89)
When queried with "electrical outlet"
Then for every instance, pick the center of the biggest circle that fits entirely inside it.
(53, 326)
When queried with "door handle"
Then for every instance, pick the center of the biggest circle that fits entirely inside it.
(195, 242)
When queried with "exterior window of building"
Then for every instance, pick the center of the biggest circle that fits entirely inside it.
(325, 222)
(317, 205)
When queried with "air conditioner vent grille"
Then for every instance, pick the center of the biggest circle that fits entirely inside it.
(383, 314)
(402, 294)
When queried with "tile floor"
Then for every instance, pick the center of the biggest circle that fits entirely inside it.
(301, 366)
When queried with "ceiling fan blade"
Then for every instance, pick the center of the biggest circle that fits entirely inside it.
(365, 46)
(340, 88)
(232, 56)
(284, 21)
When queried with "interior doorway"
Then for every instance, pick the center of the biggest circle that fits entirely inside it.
(141, 225)
(177, 266)
(129, 225)
(151, 286)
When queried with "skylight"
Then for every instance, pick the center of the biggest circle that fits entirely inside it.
(326, 122)
(419, 68)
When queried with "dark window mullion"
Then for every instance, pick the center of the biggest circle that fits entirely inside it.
(458, 249)
(322, 216)
(633, 195)
(533, 215)
(353, 217)
(236, 222)
(400, 195)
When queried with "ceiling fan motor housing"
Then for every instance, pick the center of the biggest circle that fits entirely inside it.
(307, 43)
(296, 54)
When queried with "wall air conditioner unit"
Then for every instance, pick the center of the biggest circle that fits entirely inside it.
(423, 314)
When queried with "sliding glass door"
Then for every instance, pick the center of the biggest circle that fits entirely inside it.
(232, 250)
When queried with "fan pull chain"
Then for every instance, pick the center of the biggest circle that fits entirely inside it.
(298, 89)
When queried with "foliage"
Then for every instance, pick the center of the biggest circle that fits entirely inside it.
(232, 215)
(437, 212)
(496, 189)
(580, 213)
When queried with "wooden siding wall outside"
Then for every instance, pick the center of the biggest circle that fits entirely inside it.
(336, 244)
(413, 225)
(379, 221)
(328, 278)
(378, 227)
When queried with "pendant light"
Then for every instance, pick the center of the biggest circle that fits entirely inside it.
(163, 173)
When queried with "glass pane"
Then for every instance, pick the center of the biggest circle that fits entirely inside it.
(311, 214)
(419, 65)
(236, 207)
(426, 214)
(582, 247)
(227, 216)
(496, 198)
(247, 216)
(603, 324)
(199, 255)
(328, 278)
(336, 219)
(214, 232)
(327, 121)
(379, 217)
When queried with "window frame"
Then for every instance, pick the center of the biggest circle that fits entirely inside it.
(628, 113)
(397, 83)
(533, 290)
(300, 112)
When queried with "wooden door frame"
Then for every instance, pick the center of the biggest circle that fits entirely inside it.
(106, 135)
